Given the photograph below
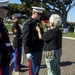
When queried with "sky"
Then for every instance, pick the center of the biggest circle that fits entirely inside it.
(71, 14)
(14, 1)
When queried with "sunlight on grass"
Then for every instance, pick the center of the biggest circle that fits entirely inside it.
(8, 28)
(69, 34)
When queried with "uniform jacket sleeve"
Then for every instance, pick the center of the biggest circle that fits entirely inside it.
(13, 28)
(17, 41)
(26, 38)
(5, 34)
(3, 47)
(48, 35)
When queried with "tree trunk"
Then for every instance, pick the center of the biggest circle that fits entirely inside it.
(64, 20)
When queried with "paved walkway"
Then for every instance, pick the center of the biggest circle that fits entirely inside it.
(67, 63)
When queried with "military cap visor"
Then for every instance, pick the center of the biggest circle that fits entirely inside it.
(16, 15)
(38, 9)
(4, 3)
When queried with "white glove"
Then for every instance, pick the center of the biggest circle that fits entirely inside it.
(29, 56)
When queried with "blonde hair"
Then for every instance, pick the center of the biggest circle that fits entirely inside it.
(55, 19)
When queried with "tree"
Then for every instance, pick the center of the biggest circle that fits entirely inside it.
(13, 8)
(18, 8)
(60, 7)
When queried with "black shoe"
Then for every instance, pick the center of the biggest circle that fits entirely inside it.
(18, 70)
(22, 66)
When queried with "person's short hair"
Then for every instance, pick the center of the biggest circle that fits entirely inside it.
(56, 19)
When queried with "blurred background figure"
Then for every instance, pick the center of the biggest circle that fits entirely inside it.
(5, 46)
(17, 41)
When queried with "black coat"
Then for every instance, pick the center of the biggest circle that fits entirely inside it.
(4, 32)
(4, 50)
(52, 39)
(17, 41)
(31, 41)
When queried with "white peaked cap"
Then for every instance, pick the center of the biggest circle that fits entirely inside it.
(4, 3)
(38, 9)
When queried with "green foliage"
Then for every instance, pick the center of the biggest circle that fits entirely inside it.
(60, 7)
(19, 8)
(9, 22)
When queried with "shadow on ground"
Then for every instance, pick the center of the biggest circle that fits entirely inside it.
(66, 63)
(24, 68)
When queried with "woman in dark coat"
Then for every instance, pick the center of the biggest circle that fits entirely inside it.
(52, 44)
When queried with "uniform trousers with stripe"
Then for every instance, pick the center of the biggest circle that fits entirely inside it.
(18, 53)
(52, 59)
(4, 71)
(34, 63)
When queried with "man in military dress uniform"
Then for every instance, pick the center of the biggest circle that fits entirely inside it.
(32, 44)
(17, 41)
(4, 41)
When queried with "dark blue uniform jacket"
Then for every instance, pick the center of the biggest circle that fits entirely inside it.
(17, 41)
(31, 41)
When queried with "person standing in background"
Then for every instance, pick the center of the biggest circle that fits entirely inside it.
(32, 44)
(52, 44)
(17, 42)
(5, 52)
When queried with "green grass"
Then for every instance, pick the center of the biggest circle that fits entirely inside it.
(70, 32)
(8, 28)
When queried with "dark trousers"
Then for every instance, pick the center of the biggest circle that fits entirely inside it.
(4, 71)
(34, 63)
(18, 53)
